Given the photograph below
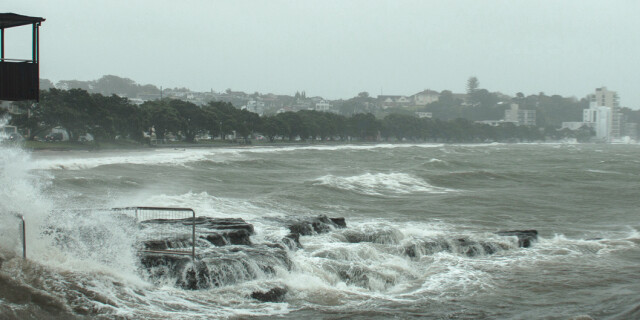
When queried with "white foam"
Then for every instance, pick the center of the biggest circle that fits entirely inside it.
(381, 184)
(78, 161)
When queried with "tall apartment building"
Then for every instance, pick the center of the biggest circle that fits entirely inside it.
(599, 117)
(605, 98)
(604, 113)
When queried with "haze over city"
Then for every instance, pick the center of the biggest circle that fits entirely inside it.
(336, 49)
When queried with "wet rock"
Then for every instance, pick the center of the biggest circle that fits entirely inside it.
(310, 225)
(186, 273)
(378, 235)
(41, 304)
(461, 246)
(225, 254)
(339, 221)
(218, 231)
(525, 237)
(228, 237)
(195, 276)
(223, 224)
(165, 244)
(204, 224)
(292, 241)
(426, 247)
(274, 295)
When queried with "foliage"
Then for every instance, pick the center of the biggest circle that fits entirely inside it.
(109, 118)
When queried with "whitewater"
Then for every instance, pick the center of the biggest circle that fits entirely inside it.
(421, 237)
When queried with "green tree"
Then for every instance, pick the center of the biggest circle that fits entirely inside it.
(161, 118)
(472, 85)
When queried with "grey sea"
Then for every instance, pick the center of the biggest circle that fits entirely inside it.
(420, 239)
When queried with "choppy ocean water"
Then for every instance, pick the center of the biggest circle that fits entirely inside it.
(582, 199)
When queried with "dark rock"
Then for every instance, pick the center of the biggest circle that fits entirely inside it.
(164, 244)
(228, 237)
(461, 246)
(187, 274)
(274, 295)
(207, 223)
(321, 224)
(339, 222)
(426, 247)
(218, 231)
(525, 237)
(301, 228)
(292, 241)
(382, 236)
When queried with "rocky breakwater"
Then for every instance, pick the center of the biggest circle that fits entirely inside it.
(470, 247)
(225, 252)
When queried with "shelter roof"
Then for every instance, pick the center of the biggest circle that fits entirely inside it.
(10, 20)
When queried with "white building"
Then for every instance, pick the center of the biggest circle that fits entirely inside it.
(425, 97)
(521, 117)
(424, 114)
(323, 106)
(255, 107)
(606, 98)
(604, 113)
(600, 118)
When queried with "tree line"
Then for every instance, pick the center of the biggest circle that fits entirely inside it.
(108, 118)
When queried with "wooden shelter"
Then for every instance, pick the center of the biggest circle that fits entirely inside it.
(19, 78)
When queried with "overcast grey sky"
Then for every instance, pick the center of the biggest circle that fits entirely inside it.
(336, 49)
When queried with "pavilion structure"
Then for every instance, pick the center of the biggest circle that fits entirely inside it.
(19, 78)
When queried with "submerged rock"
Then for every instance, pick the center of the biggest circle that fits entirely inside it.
(274, 295)
(461, 246)
(169, 243)
(228, 237)
(383, 235)
(310, 225)
(292, 241)
(525, 237)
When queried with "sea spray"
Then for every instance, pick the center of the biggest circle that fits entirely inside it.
(21, 196)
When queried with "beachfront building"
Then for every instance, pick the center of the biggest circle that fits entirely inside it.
(604, 115)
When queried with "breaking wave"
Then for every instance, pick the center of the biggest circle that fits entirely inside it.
(380, 184)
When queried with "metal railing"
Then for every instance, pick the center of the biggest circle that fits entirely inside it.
(23, 233)
(163, 226)
(166, 230)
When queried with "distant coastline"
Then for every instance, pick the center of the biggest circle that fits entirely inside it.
(38, 146)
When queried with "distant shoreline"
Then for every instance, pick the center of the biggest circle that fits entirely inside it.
(37, 146)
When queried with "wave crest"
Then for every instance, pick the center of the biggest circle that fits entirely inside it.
(379, 184)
